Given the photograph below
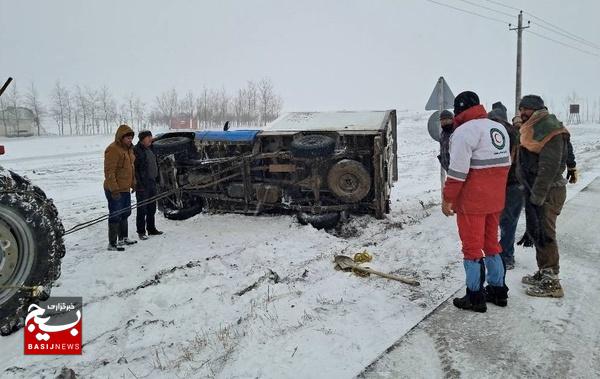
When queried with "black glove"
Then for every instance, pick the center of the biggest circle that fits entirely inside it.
(572, 175)
(535, 233)
(526, 240)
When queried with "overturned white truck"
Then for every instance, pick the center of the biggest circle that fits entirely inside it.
(318, 165)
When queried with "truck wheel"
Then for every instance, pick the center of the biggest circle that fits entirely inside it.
(312, 146)
(349, 181)
(191, 207)
(31, 247)
(320, 221)
(172, 145)
(182, 214)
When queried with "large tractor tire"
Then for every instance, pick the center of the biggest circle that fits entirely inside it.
(349, 181)
(31, 248)
(312, 146)
(181, 147)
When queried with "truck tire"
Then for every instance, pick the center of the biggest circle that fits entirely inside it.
(191, 207)
(349, 181)
(173, 145)
(312, 146)
(31, 240)
(320, 221)
(182, 214)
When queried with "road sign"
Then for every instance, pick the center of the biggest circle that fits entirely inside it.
(441, 97)
(434, 126)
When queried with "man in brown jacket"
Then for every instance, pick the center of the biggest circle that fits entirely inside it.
(119, 180)
(542, 160)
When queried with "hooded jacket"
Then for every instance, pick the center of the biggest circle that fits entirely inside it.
(118, 163)
(479, 163)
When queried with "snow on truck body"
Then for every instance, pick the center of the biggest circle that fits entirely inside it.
(317, 164)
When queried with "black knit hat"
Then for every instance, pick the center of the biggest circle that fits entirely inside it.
(144, 134)
(532, 102)
(498, 112)
(446, 114)
(464, 101)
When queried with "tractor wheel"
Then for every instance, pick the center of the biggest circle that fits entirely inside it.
(31, 248)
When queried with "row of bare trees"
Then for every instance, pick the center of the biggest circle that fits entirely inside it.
(81, 110)
(255, 104)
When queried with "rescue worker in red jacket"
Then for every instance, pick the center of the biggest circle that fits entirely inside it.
(475, 192)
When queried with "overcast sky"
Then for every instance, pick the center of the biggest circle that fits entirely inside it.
(320, 55)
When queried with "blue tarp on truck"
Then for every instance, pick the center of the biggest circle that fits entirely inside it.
(228, 136)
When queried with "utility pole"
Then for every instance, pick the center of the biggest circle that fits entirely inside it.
(519, 30)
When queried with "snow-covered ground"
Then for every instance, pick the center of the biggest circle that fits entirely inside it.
(233, 296)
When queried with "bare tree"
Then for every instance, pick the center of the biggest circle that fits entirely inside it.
(203, 108)
(33, 102)
(188, 106)
(238, 106)
(106, 104)
(167, 105)
(93, 104)
(69, 110)
(251, 102)
(139, 110)
(81, 111)
(269, 103)
(58, 106)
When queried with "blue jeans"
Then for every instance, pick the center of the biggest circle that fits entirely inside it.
(116, 205)
(488, 269)
(509, 220)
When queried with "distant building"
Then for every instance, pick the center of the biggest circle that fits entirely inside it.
(183, 121)
(17, 122)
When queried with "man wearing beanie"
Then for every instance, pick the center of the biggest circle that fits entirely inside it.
(514, 195)
(447, 123)
(146, 174)
(474, 191)
(543, 155)
(119, 179)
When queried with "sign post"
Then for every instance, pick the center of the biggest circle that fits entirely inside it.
(441, 98)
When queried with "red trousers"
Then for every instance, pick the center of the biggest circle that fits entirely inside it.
(479, 234)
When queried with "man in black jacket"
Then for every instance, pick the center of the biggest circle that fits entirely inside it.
(146, 174)
(514, 195)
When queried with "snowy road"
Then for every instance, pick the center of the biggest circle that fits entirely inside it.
(203, 300)
(532, 337)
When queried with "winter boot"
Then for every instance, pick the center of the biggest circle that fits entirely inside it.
(473, 300)
(123, 232)
(533, 279)
(497, 295)
(548, 286)
(154, 232)
(113, 232)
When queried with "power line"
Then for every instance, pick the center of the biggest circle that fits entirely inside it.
(469, 12)
(503, 5)
(562, 43)
(574, 36)
(551, 25)
(488, 8)
(567, 36)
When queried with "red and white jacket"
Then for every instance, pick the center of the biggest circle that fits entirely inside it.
(479, 163)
